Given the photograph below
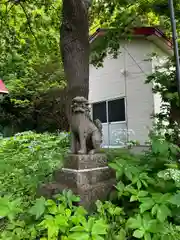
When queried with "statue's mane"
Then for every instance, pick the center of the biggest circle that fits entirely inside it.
(79, 104)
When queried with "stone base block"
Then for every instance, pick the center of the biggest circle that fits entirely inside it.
(77, 162)
(74, 178)
(89, 194)
(86, 175)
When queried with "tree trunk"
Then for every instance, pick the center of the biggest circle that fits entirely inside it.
(175, 113)
(74, 44)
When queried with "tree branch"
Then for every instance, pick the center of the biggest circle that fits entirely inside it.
(28, 20)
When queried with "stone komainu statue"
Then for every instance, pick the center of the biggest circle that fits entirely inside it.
(86, 134)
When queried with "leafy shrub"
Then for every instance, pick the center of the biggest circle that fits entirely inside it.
(146, 203)
(28, 159)
(150, 200)
(52, 219)
(114, 153)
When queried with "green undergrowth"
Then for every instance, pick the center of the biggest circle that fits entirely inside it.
(27, 160)
(145, 203)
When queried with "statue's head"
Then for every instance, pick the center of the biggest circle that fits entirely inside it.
(79, 105)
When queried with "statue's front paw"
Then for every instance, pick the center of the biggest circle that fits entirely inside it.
(92, 152)
(73, 152)
(81, 152)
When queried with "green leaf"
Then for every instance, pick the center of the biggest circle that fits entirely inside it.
(119, 174)
(75, 198)
(53, 208)
(133, 198)
(97, 237)
(90, 224)
(81, 211)
(49, 224)
(120, 187)
(139, 184)
(144, 183)
(163, 212)
(157, 197)
(152, 226)
(122, 234)
(147, 221)
(99, 228)
(166, 197)
(134, 223)
(147, 236)
(128, 174)
(61, 220)
(77, 219)
(77, 229)
(9, 208)
(175, 199)
(118, 211)
(38, 209)
(131, 190)
(154, 209)
(138, 233)
(79, 236)
(146, 205)
(143, 194)
(68, 212)
(116, 167)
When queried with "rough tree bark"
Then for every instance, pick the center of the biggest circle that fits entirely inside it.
(74, 44)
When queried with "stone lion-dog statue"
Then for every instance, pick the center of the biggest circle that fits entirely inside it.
(86, 133)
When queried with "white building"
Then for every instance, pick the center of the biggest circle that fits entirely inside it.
(118, 93)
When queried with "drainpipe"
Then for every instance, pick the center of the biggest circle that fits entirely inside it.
(175, 42)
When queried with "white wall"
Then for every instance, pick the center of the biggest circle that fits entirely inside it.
(157, 61)
(111, 81)
(139, 95)
(107, 82)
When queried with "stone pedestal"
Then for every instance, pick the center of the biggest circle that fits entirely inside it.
(86, 175)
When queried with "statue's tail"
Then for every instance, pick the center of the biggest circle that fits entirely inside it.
(98, 124)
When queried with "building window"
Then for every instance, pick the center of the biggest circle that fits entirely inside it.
(109, 111)
(99, 111)
(116, 110)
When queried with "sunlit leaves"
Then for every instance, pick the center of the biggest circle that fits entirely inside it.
(123, 16)
(39, 207)
(9, 208)
(30, 41)
(30, 60)
(27, 159)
